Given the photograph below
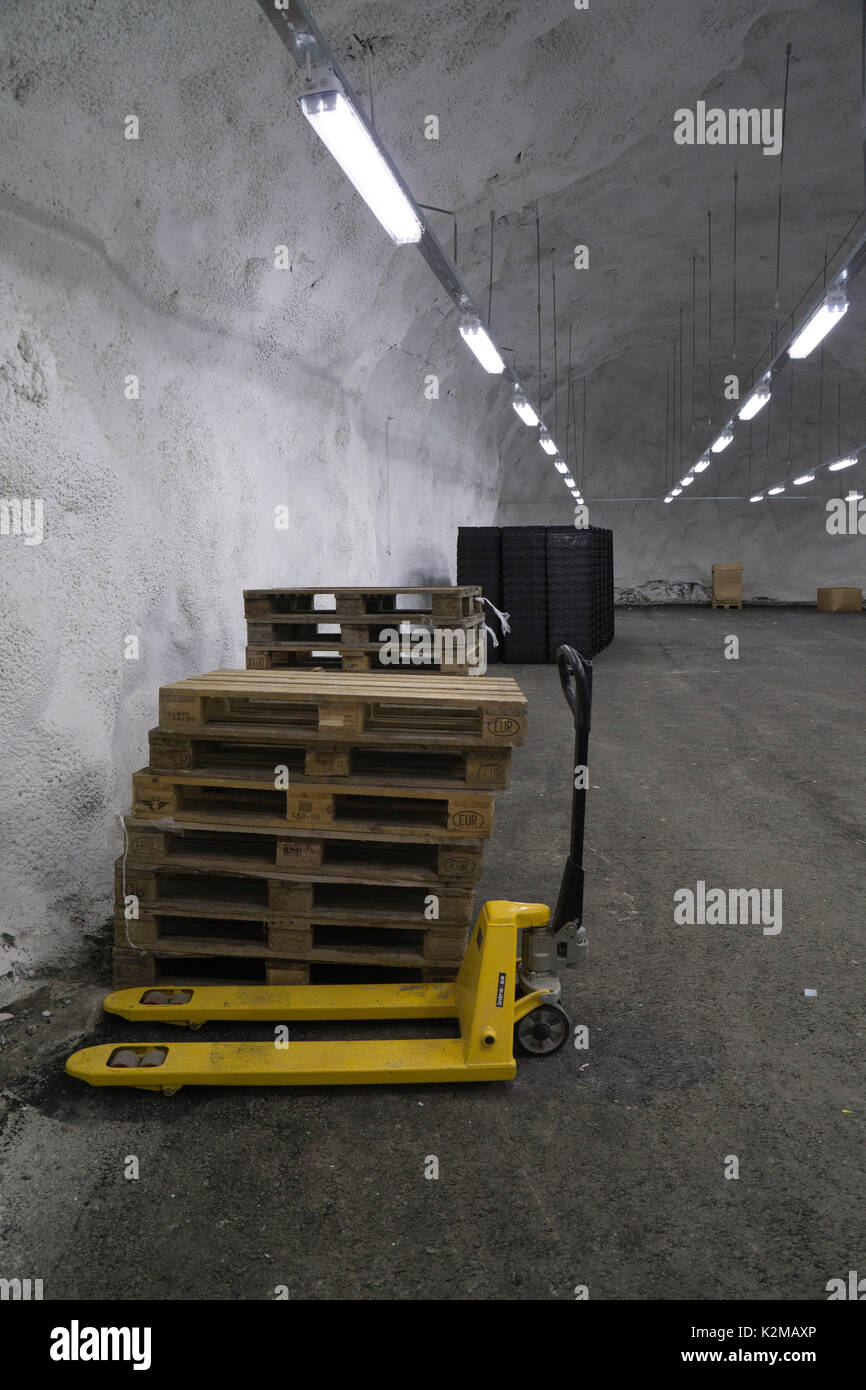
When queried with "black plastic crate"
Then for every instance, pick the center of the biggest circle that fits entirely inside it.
(524, 592)
(571, 601)
(556, 583)
(479, 561)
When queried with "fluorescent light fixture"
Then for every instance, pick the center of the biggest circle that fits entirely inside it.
(523, 408)
(853, 497)
(560, 465)
(804, 478)
(569, 482)
(723, 440)
(546, 442)
(774, 491)
(758, 497)
(338, 125)
(815, 329)
(675, 491)
(702, 464)
(668, 499)
(575, 492)
(478, 339)
(755, 402)
(687, 480)
(843, 463)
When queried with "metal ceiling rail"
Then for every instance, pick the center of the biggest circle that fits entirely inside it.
(319, 70)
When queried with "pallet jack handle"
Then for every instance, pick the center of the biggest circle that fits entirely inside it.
(562, 942)
(575, 674)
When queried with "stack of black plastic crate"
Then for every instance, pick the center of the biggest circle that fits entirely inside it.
(555, 582)
(524, 592)
(479, 552)
(579, 589)
(572, 591)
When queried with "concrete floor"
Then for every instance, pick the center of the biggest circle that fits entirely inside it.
(602, 1168)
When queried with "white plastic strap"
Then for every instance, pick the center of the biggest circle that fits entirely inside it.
(503, 617)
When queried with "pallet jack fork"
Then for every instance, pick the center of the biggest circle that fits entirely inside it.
(500, 1001)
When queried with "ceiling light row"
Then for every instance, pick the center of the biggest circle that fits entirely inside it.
(847, 462)
(338, 123)
(828, 313)
(837, 466)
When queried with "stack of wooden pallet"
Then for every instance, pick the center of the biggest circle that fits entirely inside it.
(299, 821)
(342, 629)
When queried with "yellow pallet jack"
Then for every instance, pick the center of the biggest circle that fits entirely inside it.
(502, 1002)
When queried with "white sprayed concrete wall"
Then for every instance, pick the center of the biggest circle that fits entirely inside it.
(257, 388)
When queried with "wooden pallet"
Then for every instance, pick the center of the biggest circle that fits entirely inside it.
(177, 892)
(332, 707)
(455, 601)
(352, 810)
(318, 656)
(457, 649)
(353, 630)
(388, 766)
(279, 938)
(239, 849)
(135, 969)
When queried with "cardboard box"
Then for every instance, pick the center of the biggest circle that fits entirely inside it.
(840, 600)
(727, 583)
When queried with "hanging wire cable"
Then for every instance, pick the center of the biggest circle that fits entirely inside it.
(821, 377)
(863, 90)
(568, 397)
(667, 430)
(821, 409)
(790, 412)
(448, 212)
(749, 464)
(538, 265)
(388, 419)
(573, 409)
(369, 66)
(767, 448)
(583, 439)
(779, 212)
(734, 292)
(674, 417)
(694, 323)
(709, 317)
(555, 361)
(680, 416)
(490, 282)
(839, 417)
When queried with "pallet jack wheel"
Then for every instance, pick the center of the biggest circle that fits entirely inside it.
(543, 1031)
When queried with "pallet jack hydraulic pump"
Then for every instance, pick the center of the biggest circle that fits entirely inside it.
(503, 1002)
